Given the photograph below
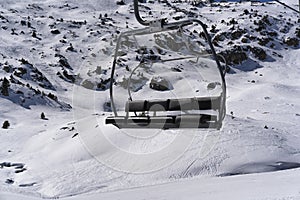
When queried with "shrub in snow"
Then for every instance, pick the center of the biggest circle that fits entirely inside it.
(6, 124)
(120, 2)
(43, 116)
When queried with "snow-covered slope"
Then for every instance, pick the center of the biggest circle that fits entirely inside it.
(276, 185)
(56, 58)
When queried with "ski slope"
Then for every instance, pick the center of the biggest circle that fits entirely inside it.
(276, 185)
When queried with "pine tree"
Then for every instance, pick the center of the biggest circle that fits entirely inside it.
(5, 87)
(6, 124)
(43, 115)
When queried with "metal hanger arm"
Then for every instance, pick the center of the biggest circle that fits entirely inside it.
(137, 14)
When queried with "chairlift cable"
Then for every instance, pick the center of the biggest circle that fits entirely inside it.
(293, 9)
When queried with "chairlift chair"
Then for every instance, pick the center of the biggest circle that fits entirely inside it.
(166, 112)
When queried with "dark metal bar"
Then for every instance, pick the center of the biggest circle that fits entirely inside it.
(222, 110)
(137, 14)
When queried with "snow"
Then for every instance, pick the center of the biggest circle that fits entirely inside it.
(74, 155)
(275, 185)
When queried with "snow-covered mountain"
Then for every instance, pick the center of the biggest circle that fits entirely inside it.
(56, 58)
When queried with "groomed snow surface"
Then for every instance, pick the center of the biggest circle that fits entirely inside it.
(66, 48)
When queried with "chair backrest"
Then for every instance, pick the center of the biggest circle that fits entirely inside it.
(196, 103)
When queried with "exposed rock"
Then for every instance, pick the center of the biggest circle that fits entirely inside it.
(28, 71)
(25, 95)
(272, 33)
(233, 21)
(297, 33)
(104, 84)
(160, 84)
(237, 34)
(234, 35)
(259, 53)
(246, 12)
(63, 61)
(9, 181)
(214, 29)
(219, 37)
(88, 84)
(136, 83)
(235, 56)
(291, 41)
(245, 40)
(7, 68)
(55, 31)
(264, 41)
(262, 23)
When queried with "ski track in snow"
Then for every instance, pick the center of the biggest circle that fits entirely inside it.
(258, 142)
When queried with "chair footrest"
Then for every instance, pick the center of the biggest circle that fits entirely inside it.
(165, 122)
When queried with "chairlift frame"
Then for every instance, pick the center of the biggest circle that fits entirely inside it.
(167, 121)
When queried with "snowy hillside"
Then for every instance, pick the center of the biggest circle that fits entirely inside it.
(55, 64)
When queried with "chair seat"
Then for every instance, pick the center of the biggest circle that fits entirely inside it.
(165, 122)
